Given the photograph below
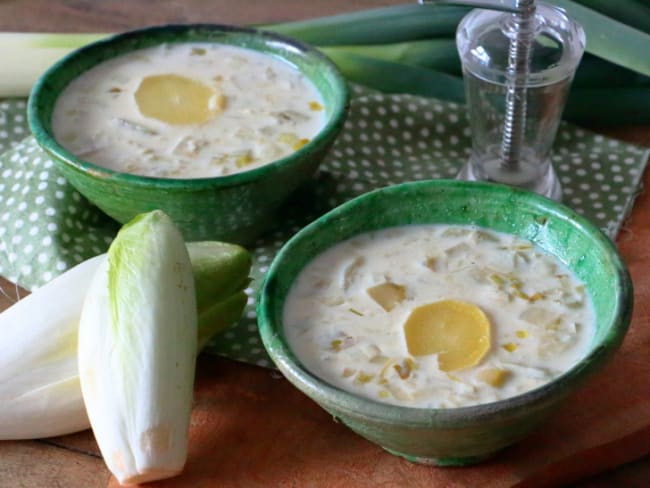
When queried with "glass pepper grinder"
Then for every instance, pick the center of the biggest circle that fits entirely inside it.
(518, 58)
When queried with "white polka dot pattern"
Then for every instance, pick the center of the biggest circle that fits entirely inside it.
(46, 226)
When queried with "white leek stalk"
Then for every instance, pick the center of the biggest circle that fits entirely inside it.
(137, 351)
(26, 56)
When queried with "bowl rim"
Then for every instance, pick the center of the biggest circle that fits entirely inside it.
(341, 400)
(45, 138)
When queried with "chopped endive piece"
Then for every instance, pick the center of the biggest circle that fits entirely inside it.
(371, 351)
(388, 295)
(458, 332)
(455, 232)
(494, 376)
(137, 351)
(481, 235)
(538, 315)
(177, 100)
(461, 250)
(350, 272)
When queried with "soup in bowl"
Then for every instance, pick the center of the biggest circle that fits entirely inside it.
(215, 125)
(444, 320)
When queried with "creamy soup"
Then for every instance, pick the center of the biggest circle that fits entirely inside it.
(189, 110)
(437, 316)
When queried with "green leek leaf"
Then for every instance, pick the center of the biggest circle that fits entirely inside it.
(609, 39)
(392, 77)
(635, 13)
(437, 54)
(376, 26)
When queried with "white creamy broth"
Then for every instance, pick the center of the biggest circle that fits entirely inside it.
(238, 110)
(353, 316)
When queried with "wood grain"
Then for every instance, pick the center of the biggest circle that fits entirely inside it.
(35, 464)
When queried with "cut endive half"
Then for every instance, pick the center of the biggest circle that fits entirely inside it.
(39, 384)
(137, 351)
(40, 393)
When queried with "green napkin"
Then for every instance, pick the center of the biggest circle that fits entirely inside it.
(47, 227)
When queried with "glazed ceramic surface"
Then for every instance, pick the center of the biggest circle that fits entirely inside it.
(460, 435)
(233, 208)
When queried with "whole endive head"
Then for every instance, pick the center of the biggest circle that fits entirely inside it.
(137, 350)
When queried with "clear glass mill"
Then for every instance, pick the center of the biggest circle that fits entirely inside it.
(519, 58)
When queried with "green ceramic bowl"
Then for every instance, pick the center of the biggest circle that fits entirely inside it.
(234, 208)
(464, 435)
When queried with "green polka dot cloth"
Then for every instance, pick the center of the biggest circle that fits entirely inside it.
(47, 227)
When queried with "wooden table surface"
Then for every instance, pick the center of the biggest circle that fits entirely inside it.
(74, 461)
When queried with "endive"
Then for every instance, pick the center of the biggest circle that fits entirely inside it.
(137, 351)
(40, 393)
(39, 385)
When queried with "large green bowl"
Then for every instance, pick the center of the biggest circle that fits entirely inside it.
(465, 435)
(234, 208)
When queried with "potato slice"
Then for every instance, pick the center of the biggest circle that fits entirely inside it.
(387, 294)
(177, 100)
(458, 332)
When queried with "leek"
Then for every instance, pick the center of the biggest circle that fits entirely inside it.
(635, 13)
(376, 26)
(615, 106)
(594, 72)
(436, 54)
(137, 351)
(609, 39)
(26, 56)
(405, 37)
(391, 77)
(39, 378)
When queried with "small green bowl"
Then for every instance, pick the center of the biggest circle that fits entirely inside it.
(466, 435)
(234, 208)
